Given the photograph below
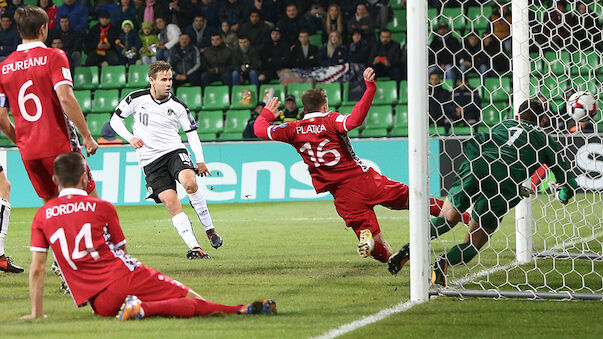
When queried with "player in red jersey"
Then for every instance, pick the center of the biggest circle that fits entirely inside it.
(321, 140)
(36, 82)
(90, 249)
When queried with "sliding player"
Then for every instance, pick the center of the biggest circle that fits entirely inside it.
(498, 162)
(321, 140)
(90, 248)
(158, 116)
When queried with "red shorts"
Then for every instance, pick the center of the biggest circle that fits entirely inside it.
(354, 200)
(144, 282)
(40, 174)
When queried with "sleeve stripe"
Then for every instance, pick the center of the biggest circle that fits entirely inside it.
(344, 120)
(38, 249)
(190, 130)
(118, 113)
(268, 132)
(121, 243)
(64, 82)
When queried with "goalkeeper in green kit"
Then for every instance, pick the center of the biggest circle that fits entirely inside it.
(498, 162)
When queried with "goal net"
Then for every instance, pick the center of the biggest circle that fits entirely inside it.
(486, 57)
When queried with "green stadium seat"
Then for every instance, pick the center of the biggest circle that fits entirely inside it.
(191, 96)
(491, 115)
(105, 101)
(480, 18)
(398, 22)
(379, 121)
(436, 131)
(461, 130)
(557, 63)
(129, 122)
(387, 93)
(297, 90)
(401, 121)
(333, 93)
(585, 63)
(95, 123)
(113, 77)
(355, 133)
(279, 91)
(498, 89)
(316, 40)
(346, 109)
(210, 122)
(455, 18)
(237, 96)
(554, 86)
(85, 78)
(84, 98)
(234, 124)
(137, 76)
(403, 94)
(216, 97)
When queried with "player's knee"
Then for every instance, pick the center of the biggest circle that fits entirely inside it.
(190, 186)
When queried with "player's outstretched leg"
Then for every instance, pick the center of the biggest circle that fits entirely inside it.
(366, 243)
(397, 260)
(438, 276)
(6, 264)
(435, 207)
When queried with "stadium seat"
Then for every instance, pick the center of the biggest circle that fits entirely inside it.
(480, 17)
(403, 96)
(455, 18)
(461, 130)
(398, 22)
(379, 121)
(238, 99)
(316, 40)
(557, 63)
(113, 77)
(210, 124)
(437, 131)
(105, 101)
(490, 115)
(387, 93)
(129, 122)
(95, 123)
(585, 62)
(216, 97)
(137, 76)
(84, 98)
(355, 133)
(297, 90)
(279, 91)
(499, 89)
(234, 124)
(554, 86)
(85, 78)
(191, 96)
(401, 121)
(333, 93)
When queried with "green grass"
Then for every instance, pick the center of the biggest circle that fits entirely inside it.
(301, 255)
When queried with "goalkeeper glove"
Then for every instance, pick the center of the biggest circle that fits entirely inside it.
(564, 194)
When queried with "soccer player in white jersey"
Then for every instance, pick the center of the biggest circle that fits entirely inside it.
(158, 116)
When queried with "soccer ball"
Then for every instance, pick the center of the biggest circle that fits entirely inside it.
(581, 106)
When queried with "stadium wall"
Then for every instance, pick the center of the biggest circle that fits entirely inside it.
(243, 172)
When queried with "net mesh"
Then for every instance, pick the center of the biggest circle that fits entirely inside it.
(470, 91)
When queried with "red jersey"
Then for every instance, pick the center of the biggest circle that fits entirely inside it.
(321, 140)
(85, 237)
(30, 76)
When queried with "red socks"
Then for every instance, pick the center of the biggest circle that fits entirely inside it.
(379, 252)
(185, 308)
(435, 207)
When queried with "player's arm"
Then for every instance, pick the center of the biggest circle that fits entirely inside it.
(6, 125)
(113, 226)
(122, 111)
(561, 170)
(36, 284)
(356, 118)
(261, 126)
(73, 111)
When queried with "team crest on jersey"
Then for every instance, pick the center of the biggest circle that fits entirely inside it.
(170, 111)
(275, 127)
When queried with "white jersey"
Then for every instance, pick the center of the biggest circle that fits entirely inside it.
(156, 122)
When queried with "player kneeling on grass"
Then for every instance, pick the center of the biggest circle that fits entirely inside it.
(321, 140)
(90, 249)
(498, 162)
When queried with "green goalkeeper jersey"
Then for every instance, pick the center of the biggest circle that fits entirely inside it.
(519, 148)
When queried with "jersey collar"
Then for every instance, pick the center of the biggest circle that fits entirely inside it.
(72, 191)
(30, 45)
(315, 115)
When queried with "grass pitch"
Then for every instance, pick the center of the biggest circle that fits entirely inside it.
(298, 253)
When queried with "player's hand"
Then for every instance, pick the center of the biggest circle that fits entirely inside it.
(369, 74)
(272, 105)
(33, 316)
(202, 169)
(90, 145)
(136, 142)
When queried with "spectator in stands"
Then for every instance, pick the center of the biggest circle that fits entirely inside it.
(442, 49)
(303, 55)
(386, 56)
(228, 36)
(9, 37)
(218, 60)
(77, 13)
(381, 10)
(275, 56)
(246, 62)
(334, 52)
(56, 42)
(182, 13)
(270, 10)
(72, 41)
(501, 25)
(440, 102)
(359, 49)
(200, 32)
(290, 113)
(472, 58)
(334, 21)
(292, 24)
(125, 11)
(154, 9)
(12, 7)
(108, 135)
(185, 59)
(557, 26)
(101, 42)
(234, 12)
(149, 44)
(467, 104)
(362, 21)
(210, 9)
(257, 30)
(500, 63)
(128, 44)
(248, 132)
(51, 10)
(315, 18)
(168, 37)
